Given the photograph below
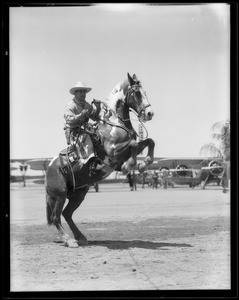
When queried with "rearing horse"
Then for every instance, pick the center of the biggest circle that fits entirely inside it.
(117, 147)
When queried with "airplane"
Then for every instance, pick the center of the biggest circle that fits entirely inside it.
(39, 164)
(190, 171)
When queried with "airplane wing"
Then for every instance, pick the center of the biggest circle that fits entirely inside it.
(13, 168)
(14, 165)
(39, 164)
(185, 163)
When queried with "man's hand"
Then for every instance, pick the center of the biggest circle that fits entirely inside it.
(85, 115)
(96, 103)
(95, 111)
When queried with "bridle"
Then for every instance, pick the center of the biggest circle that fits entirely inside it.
(132, 93)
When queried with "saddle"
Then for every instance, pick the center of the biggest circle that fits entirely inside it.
(70, 155)
(71, 162)
(71, 159)
(68, 158)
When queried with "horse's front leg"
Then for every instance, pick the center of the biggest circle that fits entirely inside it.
(150, 155)
(131, 162)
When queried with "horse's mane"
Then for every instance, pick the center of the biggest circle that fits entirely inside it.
(117, 93)
(124, 85)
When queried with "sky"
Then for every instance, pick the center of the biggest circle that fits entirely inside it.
(181, 55)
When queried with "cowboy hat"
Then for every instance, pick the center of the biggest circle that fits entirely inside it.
(80, 86)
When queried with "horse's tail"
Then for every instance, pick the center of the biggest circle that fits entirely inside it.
(48, 209)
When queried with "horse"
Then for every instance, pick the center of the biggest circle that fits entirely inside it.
(116, 147)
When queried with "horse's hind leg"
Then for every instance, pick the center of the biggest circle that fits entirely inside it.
(75, 199)
(54, 209)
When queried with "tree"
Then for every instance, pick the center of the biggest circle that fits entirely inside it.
(220, 147)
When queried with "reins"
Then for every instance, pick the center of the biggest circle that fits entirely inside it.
(122, 126)
(130, 132)
(142, 123)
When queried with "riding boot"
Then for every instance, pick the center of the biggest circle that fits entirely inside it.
(96, 165)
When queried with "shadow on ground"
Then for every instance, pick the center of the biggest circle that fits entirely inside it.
(116, 245)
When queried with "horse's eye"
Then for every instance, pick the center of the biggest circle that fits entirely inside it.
(137, 94)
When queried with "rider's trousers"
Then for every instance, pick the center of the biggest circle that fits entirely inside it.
(82, 141)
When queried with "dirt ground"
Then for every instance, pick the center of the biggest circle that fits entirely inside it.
(176, 239)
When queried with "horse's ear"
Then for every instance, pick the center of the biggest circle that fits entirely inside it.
(135, 79)
(131, 80)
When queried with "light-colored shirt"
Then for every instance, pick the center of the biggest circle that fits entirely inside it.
(73, 116)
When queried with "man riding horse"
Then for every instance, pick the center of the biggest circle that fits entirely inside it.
(117, 148)
(77, 114)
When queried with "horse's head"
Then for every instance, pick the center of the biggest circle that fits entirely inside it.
(137, 99)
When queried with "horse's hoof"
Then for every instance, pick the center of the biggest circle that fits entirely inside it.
(82, 242)
(142, 167)
(72, 244)
(125, 168)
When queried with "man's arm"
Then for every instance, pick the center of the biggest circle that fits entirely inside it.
(73, 119)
